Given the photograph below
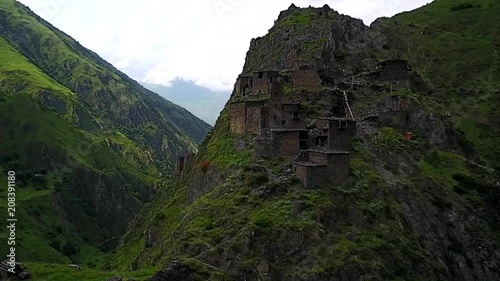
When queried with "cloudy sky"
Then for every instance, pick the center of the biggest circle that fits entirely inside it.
(204, 41)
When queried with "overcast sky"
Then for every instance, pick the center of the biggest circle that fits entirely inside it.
(204, 41)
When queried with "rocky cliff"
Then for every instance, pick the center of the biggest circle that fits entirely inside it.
(418, 209)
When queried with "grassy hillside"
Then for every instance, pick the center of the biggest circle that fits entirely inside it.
(454, 46)
(88, 144)
(46, 272)
(413, 210)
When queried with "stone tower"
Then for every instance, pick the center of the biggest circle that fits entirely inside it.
(276, 103)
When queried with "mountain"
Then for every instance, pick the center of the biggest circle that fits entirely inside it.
(201, 101)
(88, 145)
(418, 198)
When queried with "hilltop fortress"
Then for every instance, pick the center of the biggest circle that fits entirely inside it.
(321, 145)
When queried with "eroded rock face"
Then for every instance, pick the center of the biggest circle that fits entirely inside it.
(330, 40)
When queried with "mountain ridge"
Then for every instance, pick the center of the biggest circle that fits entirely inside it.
(89, 145)
(411, 209)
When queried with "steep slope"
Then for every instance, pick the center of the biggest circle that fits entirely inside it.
(425, 209)
(454, 46)
(88, 144)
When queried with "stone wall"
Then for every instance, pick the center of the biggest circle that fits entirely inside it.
(319, 169)
(263, 148)
(340, 134)
(254, 122)
(238, 118)
(317, 157)
(311, 176)
(293, 116)
(286, 142)
(261, 81)
(242, 86)
(275, 105)
(322, 124)
(306, 78)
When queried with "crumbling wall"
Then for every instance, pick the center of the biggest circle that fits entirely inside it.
(275, 104)
(263, 148)
(286, 142)
(293, 116)
(237, 118)
(312, 176)
(317, 157)
(340, 134)
(242, 86)
(262, 81)
(254, 118)
(306, 78)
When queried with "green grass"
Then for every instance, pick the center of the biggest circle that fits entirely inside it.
(50, 272)
(456, 52)
(300, 18)
(219, 146)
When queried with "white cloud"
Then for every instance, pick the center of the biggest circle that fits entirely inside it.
(204, 41)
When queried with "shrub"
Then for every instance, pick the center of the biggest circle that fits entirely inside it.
(204, 165)
(258, 179)
(464, 6)
(263, 221)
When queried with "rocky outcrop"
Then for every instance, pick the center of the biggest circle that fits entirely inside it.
(423, 209)
(175, 272)
(303, 37)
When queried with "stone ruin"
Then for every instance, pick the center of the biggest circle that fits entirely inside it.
(327, 161)
(393, 112)
(279, 128)
(322, 151)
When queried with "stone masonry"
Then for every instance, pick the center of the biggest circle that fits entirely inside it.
(322, 153)
(316, 168)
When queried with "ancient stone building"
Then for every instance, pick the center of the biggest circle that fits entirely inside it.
(262, 81)
(248, 117)
(318, 169)
(276, 104)
(281, 142)
(293, 117)
(306, 77)
(243, 86)
(258, 117)
(393, 70)
(329, 164)
(335, 133)
(392, 112)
